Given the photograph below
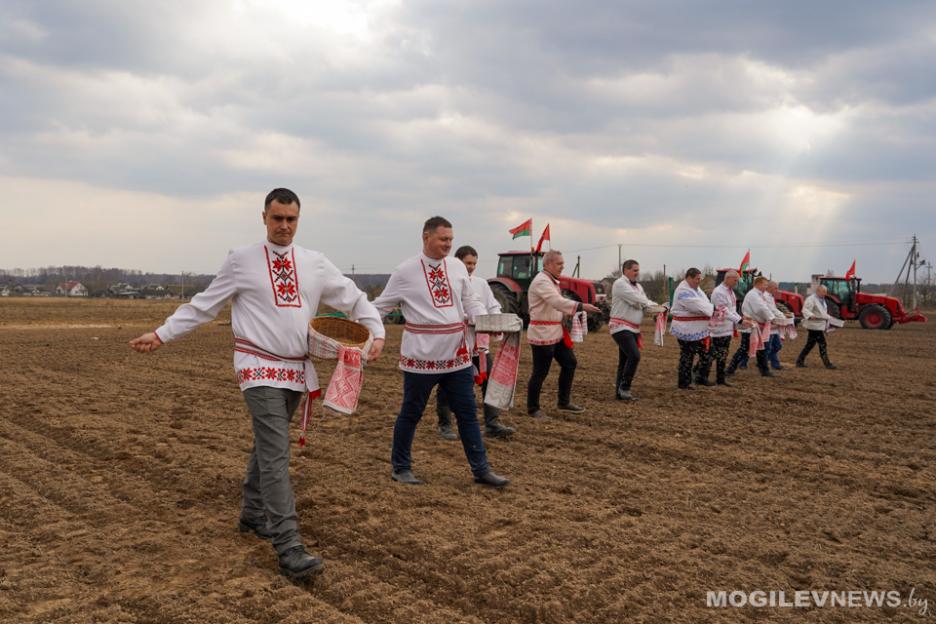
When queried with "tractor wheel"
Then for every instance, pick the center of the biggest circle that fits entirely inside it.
(594, 322)
(507, 300)
(874, 316)
(833, 309)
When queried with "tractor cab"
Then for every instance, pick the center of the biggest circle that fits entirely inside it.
(843, 292)
(520, 266)
(745, 281)
(515, 271)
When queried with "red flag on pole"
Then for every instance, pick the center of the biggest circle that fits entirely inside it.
(850, 273)
(544, 237)
(745, 262)
(524, 229)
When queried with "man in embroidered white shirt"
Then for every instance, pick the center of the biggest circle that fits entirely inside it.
(756, 309)
(816, 319)
(628, 304)
(276, 288)
(435, 297)
(723, 298)
(548, 338)
(691, 313)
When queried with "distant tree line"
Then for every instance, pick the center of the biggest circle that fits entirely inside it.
(98, 279)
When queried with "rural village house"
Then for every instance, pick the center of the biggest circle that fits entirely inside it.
(71, 288)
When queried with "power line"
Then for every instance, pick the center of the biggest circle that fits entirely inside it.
(752, 246)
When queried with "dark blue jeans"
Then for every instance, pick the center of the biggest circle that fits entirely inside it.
(773, 350)
(459, 389)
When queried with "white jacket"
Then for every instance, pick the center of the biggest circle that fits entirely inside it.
(628, 302)
(815, 313)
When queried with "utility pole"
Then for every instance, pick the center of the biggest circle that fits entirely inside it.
(916, 263)
(620, 268)
(908, 266)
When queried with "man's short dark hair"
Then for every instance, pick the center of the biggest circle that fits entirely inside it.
(629, 264)
(693, 272)
(433, 223)
(465, 250)
(281, 195)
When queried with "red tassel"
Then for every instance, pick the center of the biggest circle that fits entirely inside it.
(707, 343)
(639, 342)
(567, 338)
(306, 415)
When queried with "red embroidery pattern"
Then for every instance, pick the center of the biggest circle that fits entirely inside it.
(344, 388)
(283, 278)
(440, 289)
(270, 373)
(460, 360)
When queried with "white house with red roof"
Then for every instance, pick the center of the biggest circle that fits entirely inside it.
(71, 289)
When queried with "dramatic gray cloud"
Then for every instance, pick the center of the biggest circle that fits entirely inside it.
(144, 134)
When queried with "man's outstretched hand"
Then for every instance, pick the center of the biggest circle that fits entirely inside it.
(146, 343)
(376, 349)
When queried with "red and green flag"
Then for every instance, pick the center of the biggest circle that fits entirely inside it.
(524, 229)
(745, 262)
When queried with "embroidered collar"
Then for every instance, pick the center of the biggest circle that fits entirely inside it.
(437, 281)
(284, 278)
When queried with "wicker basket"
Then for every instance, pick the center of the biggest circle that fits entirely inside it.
(348, 333)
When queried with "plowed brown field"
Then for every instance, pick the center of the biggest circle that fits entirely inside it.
(120, 483)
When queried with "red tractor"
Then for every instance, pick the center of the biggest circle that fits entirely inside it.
(846, 301)
(786, 301)
(515, 271)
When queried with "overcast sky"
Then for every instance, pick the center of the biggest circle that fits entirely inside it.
(146, 134)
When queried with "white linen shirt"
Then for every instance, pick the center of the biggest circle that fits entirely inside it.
(275, 292)
(628, 303)
(723, 295)
(436, 298)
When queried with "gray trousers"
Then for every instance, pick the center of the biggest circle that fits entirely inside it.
(268, 495)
